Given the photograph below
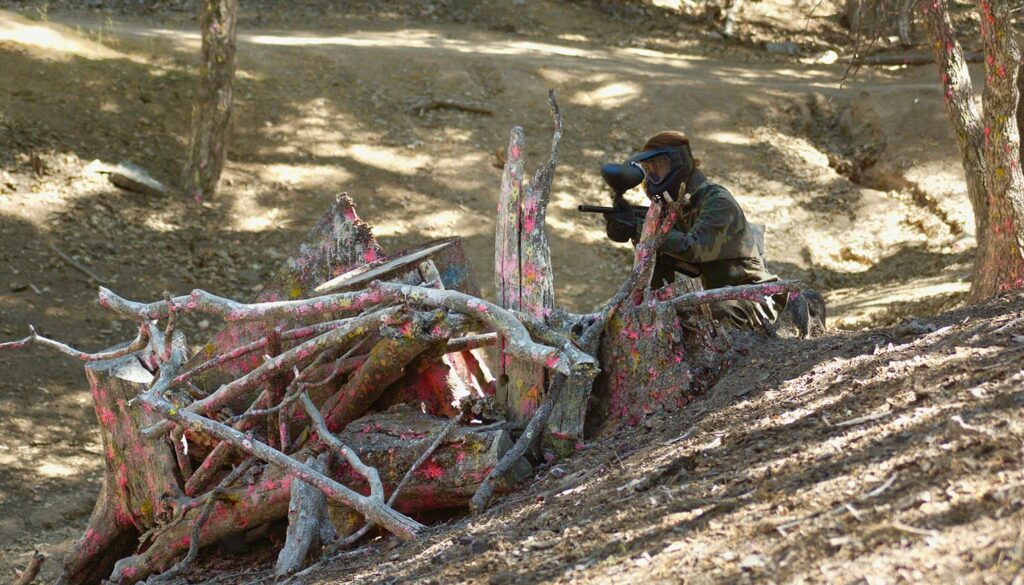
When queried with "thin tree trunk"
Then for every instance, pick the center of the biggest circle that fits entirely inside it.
(990, 146)
(1000, 265)
(211, 114)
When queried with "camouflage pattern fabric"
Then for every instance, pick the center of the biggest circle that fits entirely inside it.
(712, 232)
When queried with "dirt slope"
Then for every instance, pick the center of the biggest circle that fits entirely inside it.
(860, 185)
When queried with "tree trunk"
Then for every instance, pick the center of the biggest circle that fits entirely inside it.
(211, 114)
(391, 441)
(990, 145)
(1000, 265)
(655, 359)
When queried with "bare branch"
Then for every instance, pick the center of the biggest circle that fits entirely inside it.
(470, 342)
(231, 310)
(439, 438)
(350, 456)
(519, 343)
(140, 342)
(183, 565)
(750, 292)
(76, 265)
(352, 330)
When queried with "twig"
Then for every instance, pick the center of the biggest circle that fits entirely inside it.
(846, 506)
(353, 328)
(896, 524)
(346, 452)
(30, 573)
(172, 321)
(471, 342)
(76, 265)
(328, 559)
(140, 342)
(880, 489)
(196, 529)
(290, 335)
(439, 438)
(574, 481)
(750, 292)
(863, 419)
(421, 108)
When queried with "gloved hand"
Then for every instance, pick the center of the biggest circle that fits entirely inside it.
(621, 226)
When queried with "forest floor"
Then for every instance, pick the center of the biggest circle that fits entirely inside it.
(859, 183)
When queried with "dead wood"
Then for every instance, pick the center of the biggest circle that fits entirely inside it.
(306, 512)
(423, 107)
(524, 275)
(140, 341)
(438, 438)
(393, 521)
(30, 573)
(288, 383)
(520, 343)
(75, 264)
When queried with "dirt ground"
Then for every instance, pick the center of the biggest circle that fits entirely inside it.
(859, 183)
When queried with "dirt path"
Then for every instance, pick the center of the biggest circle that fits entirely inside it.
(859, 186)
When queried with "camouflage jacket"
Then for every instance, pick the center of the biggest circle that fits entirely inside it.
(713, 233)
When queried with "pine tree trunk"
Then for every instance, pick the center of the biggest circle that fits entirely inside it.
(211, 114)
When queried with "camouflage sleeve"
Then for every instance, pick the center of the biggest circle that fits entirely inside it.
(707, 238)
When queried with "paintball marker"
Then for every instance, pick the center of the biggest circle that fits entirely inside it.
(622, 178)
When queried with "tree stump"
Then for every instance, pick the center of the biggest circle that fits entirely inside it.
(655, 359)
(524, 279)
(141, 481)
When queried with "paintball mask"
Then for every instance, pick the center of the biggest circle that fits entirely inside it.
(665, 169)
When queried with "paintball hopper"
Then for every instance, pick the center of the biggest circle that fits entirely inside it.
(622, 177)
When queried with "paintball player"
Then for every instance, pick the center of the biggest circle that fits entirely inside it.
(711, 232)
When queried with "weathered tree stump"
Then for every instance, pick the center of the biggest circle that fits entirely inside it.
(656, 360)
(141, 482)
